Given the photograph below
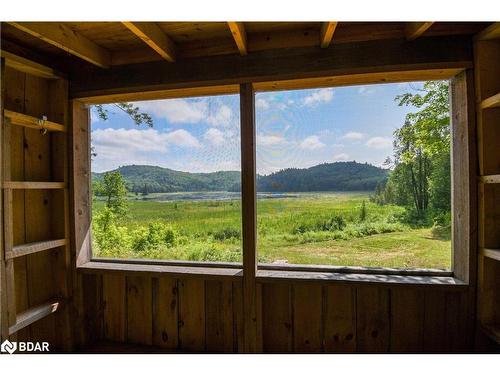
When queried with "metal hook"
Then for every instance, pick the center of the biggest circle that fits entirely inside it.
(41, 123)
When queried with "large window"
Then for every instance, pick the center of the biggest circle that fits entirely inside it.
(166, 180)
(355, 176)
(348, 176)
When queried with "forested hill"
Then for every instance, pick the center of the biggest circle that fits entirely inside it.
(339, 176)
(152, 179)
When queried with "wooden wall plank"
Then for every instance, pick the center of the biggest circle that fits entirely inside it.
(114, 303)
(15, 101)
(339, 319)
(92, 321)
(192, 315)
(139, 310)
(219, 316)
(165, 313)
(372, 328)
(238, 316)
(4, 311)
(307, 318)
(276, 318)
(37, 154)
(457, 310)
(407, 318)
(64, 265)
(434, 325)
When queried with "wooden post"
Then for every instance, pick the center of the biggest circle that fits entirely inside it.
(80, 210)
(464, 185)
(464, 188)
(249, 224)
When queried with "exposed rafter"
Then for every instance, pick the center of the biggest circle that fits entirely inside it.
(62, 36)
(327, 30)
(153, 36)
(491, 32)
(239, 35)
(415, 29)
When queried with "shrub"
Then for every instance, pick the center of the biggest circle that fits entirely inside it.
(208, 252)
(227, 234)
(363, 213)
(109, 239)
(156, 235)
(331, 224)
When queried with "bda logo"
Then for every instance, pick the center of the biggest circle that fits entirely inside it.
(8, 347)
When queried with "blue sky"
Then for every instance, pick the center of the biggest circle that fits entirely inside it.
(298, 128)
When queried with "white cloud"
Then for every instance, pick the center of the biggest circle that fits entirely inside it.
(222, 116)
(353, 136)
(131, 140)
(262, 104)
(312, 143)
(379, 142)
(366, 90)
(318, 96)
(176, 110)
(115, 147)
(190, 111)
(270, 140)
(340, 157)
(182, 138)
(214, 136)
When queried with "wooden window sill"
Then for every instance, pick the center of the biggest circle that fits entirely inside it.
(146, 268)
(223, 271)
(268, 276)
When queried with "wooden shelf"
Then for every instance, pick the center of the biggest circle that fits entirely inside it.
(21, 119)
(491, 179)
(34, 314)
(491, 102)
(490, 253)
(492, 331)
(40, 185)
(34, 247)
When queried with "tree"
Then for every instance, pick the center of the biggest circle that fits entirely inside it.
(421, 175)
(114, 189)
(134, 112)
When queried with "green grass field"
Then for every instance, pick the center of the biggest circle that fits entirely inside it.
(307, 228)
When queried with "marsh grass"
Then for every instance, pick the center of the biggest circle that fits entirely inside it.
(311, 228)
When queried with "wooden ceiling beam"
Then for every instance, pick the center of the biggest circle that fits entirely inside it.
(491, 32)
(151, 34)
(283, 64)
(327, 30)
(60, 35)
(240, 36)
(415, 29)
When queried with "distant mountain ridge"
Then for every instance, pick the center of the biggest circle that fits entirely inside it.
(338, 176)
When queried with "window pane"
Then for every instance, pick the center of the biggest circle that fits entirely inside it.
(356, 176)
(166, 180)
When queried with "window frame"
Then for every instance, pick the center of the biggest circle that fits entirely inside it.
(464, 197)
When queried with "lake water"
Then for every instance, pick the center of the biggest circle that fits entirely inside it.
(226, 196)
(210, 196)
